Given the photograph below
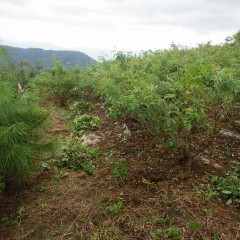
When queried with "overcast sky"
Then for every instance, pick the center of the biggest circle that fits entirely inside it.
(98, 27)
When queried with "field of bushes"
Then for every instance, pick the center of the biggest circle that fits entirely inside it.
(69, 170)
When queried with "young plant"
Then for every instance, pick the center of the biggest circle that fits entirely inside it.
(194, 225)
(177, 94)
(45, 166)
(21, 134)
(116, 207)
(173, 233)
(74, 156)
(155, 235)
(88, 167)
(85, 122)
(120, 169)
(59, 175)
(229, 186)
(110, 154)
(162, 219)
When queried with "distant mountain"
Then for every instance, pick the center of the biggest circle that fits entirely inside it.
(68, 58)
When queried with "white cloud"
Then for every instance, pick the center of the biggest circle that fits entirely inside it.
(97, 26)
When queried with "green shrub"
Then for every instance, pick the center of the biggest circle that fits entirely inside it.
(74, 155)
(85, 122)
(57, 84)
(175, 94)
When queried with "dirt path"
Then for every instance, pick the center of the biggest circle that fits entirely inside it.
(58, 126)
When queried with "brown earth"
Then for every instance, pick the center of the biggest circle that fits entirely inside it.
(159, 193)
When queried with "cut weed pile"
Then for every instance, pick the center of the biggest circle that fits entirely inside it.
(137, 191)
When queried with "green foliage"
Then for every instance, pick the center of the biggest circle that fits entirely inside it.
(74, 155)
(229, 186)
(45, 166)
(173, 233)
(21, 133)
(57, 83)
(24, 72)
(21, 210)
(120, 169)
(116, 207)
(110, 154)
(175, 94)
(59, 175)
(155, 235)
(85, 122)
(194, 225)
(80, 107)
(163, 219)
(4, 55)
(88, 167)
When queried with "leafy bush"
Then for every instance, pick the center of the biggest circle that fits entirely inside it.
(85, 122)
(74, 155)
(24, 72)
(57, 83)
(229, 186)
(79, 107)
(21, 134)
(175, 94)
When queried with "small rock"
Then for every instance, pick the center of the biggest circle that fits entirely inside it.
(208, 162)
(90, 139)
(230, 134)
(216, 165)
(205, 160)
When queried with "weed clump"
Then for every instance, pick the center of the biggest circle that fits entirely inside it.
(229, 186)
(85, 122)
(120, 169)
(76, 156)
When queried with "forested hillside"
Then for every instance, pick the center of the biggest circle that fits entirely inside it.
(34, 55)
(139, 147)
